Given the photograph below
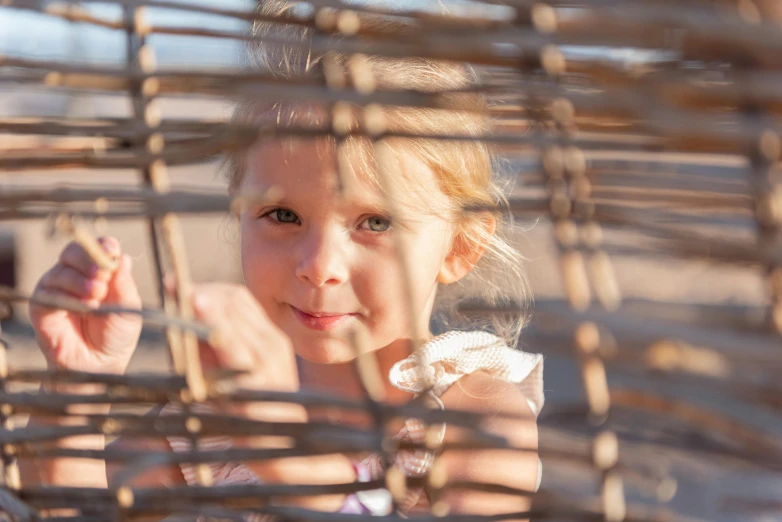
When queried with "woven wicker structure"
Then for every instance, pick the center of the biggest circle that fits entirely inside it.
(671, 153)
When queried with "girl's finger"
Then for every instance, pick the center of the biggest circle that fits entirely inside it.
(43, 293)
(74, 256)
(63, 278)
(267, 342)
(208, 357)
(121, 287)
(230, 338)
(243, 335)
(229, 344)
(169, 284)
(251, 327)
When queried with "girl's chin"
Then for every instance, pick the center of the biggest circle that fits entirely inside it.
(323, 350)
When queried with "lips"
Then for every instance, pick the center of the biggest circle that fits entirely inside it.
(321, 321)
(321, 314)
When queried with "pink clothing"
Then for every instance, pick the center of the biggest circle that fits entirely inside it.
(437, 365)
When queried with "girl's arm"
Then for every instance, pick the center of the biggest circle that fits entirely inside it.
(165, 476)
(86, 343)
(93, 473)
(67, 471)
(480, 392)
(316, 470)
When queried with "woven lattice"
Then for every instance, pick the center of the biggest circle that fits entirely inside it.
(645, 139)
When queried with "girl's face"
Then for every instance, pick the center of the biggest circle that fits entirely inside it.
(322, 263)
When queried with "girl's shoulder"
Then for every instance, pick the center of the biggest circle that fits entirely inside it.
(449, 357)
(473, 371)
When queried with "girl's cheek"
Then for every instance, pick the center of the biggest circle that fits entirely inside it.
(263, 258)
(379, 279)
(261, 261)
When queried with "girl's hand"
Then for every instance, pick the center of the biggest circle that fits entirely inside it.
(90, 343)
(245, 339)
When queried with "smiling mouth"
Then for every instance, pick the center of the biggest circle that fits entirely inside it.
(321, 321)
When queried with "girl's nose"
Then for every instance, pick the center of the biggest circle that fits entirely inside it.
(322, 259)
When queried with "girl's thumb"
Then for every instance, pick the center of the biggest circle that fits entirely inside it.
(122, 286)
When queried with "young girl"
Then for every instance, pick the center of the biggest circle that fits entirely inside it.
(320, 261)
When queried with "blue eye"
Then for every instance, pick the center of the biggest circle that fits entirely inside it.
(282, 215)
(378, 224)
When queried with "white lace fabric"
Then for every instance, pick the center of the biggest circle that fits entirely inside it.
(449, 357)
(435, 366)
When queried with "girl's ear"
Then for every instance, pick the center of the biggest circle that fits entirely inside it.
(466, 252)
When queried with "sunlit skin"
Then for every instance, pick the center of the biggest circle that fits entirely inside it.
(317, 251)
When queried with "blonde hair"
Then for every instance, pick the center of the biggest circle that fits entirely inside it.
(466, 170)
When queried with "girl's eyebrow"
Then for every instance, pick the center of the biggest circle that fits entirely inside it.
(366, 204)
(275, 199)
(371, 206)
(405, 214)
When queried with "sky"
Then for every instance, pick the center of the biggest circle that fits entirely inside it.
(32, 35)
(27, 34)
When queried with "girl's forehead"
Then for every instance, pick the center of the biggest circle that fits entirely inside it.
(319, 167)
